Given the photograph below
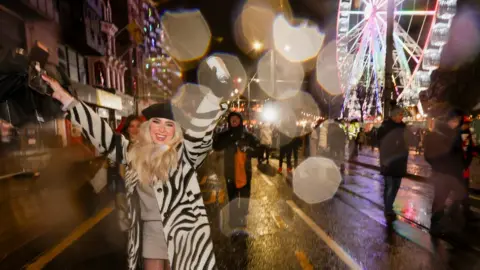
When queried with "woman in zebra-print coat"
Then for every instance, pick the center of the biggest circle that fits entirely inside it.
(184, 218)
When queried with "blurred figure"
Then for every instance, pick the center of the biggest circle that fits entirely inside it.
(470, 150)
(361, 139)
(393, 158)
(336, 138)
(130, 128)
(238, 146)
(266, 134)
(353, 130)
(314, 140)
(444, 152)
(285, 152)
(373, 138)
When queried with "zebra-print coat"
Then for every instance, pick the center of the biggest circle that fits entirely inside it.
(185, 222)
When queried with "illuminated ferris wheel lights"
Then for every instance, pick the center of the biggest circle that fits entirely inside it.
(447, 9)
(422, 79)
(431, 59)
(439, 34)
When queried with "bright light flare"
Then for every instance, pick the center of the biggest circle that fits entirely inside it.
(257, 46)
(269, 114)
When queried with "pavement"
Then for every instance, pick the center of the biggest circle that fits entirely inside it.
(345, 232)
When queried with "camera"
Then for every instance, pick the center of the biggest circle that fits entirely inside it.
(37, 59)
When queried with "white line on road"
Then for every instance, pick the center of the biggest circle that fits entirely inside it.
(334, 246)
(474, 209)
(474, 197)
(266, 179)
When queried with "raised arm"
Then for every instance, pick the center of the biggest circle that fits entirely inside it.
(93, 126)
(198, 136)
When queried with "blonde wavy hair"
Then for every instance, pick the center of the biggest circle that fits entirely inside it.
(151, 161)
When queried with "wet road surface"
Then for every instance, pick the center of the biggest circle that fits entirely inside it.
(348, 231)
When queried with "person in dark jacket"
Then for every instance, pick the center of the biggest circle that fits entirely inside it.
(444, 152)
(286, 150)
(235, 139)
(393, 157)
(470, 150)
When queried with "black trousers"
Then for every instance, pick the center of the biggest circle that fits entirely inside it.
(264, 153)
(295, 149)
(443, 184)
(285, 152)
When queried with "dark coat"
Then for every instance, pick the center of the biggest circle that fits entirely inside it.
(443, 151)
(393, 148)
(228, 141)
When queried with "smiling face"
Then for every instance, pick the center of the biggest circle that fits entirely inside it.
(235, 121)
(162, 130)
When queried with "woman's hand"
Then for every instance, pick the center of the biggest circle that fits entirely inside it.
(59, 93)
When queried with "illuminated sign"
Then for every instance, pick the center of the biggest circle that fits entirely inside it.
(109, 100)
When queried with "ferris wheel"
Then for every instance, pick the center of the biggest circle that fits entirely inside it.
(421, 29)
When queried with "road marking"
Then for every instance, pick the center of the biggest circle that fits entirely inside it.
(341, 253)
(10, 175)
(278, 221)
(44, 259)
(266, 179)
(303, 260)
(474, 197)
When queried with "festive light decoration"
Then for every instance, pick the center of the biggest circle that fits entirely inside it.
(159, 64)
(361, 49)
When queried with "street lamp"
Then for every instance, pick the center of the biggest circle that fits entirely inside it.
(257, 45)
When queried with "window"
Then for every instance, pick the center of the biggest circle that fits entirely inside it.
(62, 58)
(72, 65)
(82, 70)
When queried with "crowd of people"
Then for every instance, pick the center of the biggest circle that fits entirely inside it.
(154, 163)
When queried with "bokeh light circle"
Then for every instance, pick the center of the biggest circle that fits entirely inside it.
(286, 119)
(187, 34)
(288, 76)
(186, 101)
(230, 67)
(306, 110)
(327, 72)
(296, 43)
(316, 180)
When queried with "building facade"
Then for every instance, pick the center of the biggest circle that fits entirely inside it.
(162, 74)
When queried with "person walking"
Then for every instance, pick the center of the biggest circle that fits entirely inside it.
(444, 152)
(393, 149)
(238, 146)
(266, 134)
(286, 149)
(314, 139)
(470, 150)
(361, 139)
